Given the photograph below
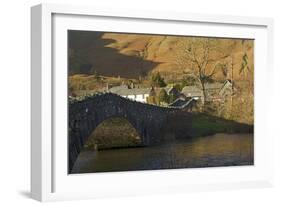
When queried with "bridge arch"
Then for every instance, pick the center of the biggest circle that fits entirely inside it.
(85, 115)
(114, 132)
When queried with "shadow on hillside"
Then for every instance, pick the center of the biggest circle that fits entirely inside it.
(90, 53)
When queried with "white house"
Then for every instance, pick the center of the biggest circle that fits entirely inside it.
(136, 94)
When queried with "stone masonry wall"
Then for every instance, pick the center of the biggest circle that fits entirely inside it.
(86, 114)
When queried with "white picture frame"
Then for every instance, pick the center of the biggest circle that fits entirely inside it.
(49, 179)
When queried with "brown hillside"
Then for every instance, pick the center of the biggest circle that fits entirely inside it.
(132, 55)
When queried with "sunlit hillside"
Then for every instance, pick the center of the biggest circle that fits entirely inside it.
(132, 55)
(98, 59)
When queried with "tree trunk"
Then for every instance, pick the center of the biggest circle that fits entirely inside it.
(204, 93)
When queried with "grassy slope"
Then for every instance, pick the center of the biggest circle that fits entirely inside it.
(203, 125)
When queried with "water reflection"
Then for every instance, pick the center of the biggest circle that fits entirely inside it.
(211, 151)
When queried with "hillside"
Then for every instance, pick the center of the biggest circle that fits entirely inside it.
(98, 59)
(134, 56)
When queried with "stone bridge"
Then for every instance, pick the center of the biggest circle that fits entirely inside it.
(152, 123)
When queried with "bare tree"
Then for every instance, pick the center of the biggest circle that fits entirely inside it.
(200, 58)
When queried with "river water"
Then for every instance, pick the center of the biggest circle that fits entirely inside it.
(210, 151)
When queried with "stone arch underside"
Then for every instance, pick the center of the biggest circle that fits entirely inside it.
(114, 132)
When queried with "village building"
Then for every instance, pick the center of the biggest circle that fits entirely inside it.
(179, 102)
(172, 91)
(192, 91)
(214, 91)
(227, 89)
(117, 88)
(136, 94)
(185, 103)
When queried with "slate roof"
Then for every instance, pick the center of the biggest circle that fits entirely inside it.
(124, 90)
(179, 102)
(197, 91)
(117, 88)
(182, 102)
(192, 91)
(169, 90)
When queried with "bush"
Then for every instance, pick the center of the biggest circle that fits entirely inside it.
(172, 98)
(163, 96)
(157, 80)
